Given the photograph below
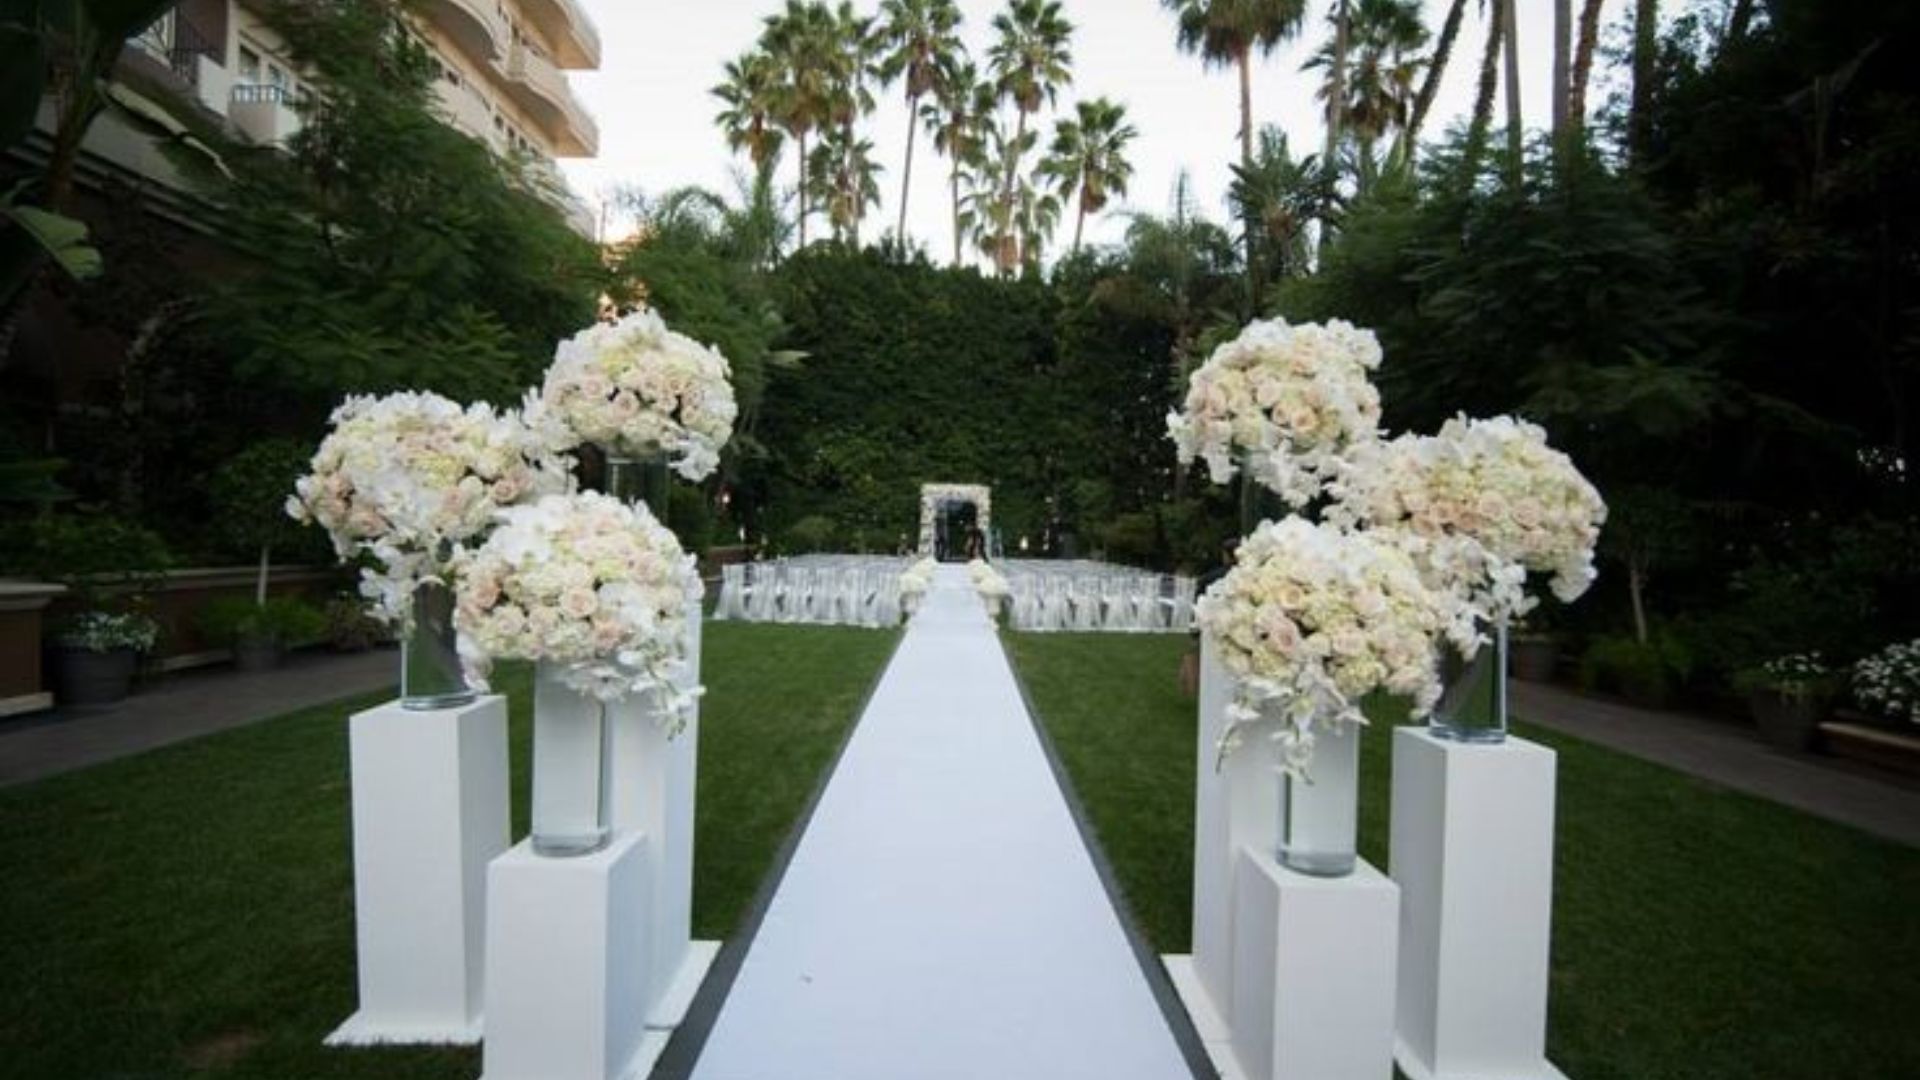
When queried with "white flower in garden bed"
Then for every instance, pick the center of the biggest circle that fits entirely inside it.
(586, 582)
(918, 578)
(1312, 619)
(1888, 682)
(1286, 399)
(405, 477)
(987, 581)
(634, 386)
(1486, 501)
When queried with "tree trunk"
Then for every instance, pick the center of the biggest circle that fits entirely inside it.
(1582, 72)
(1442, 51)
(1636, 589)
(1079, 224)
(1646, 49)
(1005, 224)
(1483, 100)
(1243, 61)
(260, 584)
(1740, 21)
(1562, 74)
(953, 179)
(1336, 113)
(801, 135)
(906, 174)
(1516, 124)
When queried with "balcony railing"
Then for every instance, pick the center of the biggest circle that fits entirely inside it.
(544, 92)
(262, 93)
(475, 25)
(576, 41)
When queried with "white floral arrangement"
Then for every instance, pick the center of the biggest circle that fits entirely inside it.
(1311, 619)
(406, 477)
(1888, 682)
(917, 579)
(988, 582)
(1483, 503)
(635, 387)
(586, 582)
(1289, 399)
(107, 631)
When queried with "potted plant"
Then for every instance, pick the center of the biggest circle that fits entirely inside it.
(1789, 696)
(1886, 685)
(1646, 673)
(348, 628)
(96, 654)
(260, 633)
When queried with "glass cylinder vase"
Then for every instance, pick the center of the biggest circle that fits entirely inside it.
(644, 479)
(1473, 707)
(572, 756)
(1320, 812)
(431, 676)
(1258, 502)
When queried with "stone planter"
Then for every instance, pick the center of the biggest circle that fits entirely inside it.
(85, 677)
(1533, 659)
(253, 655)
(1787, 723)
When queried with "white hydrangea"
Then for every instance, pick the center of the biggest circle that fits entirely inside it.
(1480, 505)
(1312, 618)
(405, 477)
(586, 582)
(1286, 399)
(634, 386)
(1888, 682)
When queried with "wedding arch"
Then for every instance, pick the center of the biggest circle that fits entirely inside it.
(933, 496)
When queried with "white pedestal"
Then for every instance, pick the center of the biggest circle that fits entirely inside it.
(1313, 978)
(1233, 809)
(568, 964)
(429, 813)
(653, 794)
(1473, 855)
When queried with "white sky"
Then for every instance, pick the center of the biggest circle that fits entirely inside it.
(661, 57)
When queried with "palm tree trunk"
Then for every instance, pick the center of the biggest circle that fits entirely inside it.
(906, 173)
(1243, 60)
(953, 179)
(1739, 22)
(801, 135)
(1079, 224)
(1646, 48)
(1562, 75)
(1336, 111)
(1005, 239)
(1442, 51)
(1483, 99)
(1516, 128)
(1582, 70)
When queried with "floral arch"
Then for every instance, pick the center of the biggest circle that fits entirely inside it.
(933, 495)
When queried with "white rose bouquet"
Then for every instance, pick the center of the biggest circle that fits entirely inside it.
(988, 582)
(1311, 619)
(1288, 399)
(917, 579)
(1483, 503)
(586, 582)
(406, 477)
(634, 386)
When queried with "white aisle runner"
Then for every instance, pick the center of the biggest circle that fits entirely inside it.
(941, 917)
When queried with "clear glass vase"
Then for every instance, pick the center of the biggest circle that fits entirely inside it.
(1258, 502)
(644, 479)
(1473, 708)
(572, 754)
(1320, 814)
(431, 676)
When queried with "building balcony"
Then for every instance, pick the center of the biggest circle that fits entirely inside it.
(466, 111)
(576, 41)
(541, 89)
(264, 113)
(473, 25)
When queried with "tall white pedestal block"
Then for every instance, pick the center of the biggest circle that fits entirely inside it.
(654, 780)
(568, 963)
(1472, 852)
(1233, 809)
(429, 813)
(1313, 972)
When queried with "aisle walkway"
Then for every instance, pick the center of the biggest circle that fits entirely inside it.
(941, 917)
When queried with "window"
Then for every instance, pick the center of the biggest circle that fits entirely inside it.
(249, 65)
(276, 77)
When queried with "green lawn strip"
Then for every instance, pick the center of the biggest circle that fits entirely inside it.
(1699, 933)
(189, 911)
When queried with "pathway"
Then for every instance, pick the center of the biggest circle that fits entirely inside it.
(1730, 756)
(941, 916)
(184, 706)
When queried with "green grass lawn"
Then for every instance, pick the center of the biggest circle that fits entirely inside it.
(189, 912)
(1698, 933)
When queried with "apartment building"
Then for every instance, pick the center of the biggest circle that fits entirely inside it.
(502, 73)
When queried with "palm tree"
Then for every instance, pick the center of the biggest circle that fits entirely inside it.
(1036, 215)
(1483, 96)
(751, 95)
(922, 41)
(1436, 67)
(1278, 195)
(1516, 129)
(1031, 59)
(802, 41)
(958, 119)
(1589, 35)
(856, 48)
(1226, 32)
(991, 214)
(1380, 73)
(845, 178)
(1089, 158)
(1646, 50)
